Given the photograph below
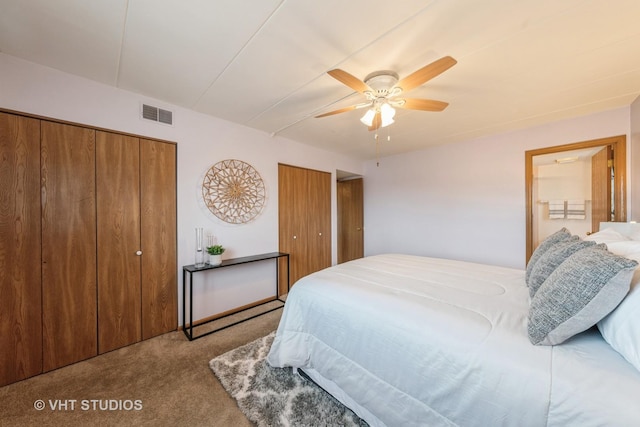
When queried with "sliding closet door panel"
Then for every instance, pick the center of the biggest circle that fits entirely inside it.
(118, 207)
(319, 220)
(158, 234)
(68, 244)
(292, 206)
(304, 198)
(288, 229)
(20, 280)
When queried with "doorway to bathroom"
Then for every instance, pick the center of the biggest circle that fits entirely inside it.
(576, 186)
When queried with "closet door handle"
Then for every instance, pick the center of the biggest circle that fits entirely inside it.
(138, 253)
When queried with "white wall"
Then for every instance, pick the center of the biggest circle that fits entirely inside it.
(466, 200)
(561, 182)
(463, 201)
(201, 141)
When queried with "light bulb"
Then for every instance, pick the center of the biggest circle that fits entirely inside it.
(387, 112)
(367, 119)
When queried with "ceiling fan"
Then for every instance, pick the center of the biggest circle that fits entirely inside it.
(383, 89)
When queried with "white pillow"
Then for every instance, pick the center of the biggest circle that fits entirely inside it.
(635, 235)
(607, 235)
(621, 328)
(627, 248)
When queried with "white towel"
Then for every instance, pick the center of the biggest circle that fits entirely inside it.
(556, 209)
(575, 209)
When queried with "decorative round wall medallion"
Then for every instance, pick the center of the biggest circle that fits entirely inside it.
(233, 191)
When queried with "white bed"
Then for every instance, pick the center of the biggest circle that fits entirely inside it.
(405, 340)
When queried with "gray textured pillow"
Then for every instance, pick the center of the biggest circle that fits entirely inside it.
(544, 246)
(552, 258)
(580, 292)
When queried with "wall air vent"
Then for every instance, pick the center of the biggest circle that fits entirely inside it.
(156, 114)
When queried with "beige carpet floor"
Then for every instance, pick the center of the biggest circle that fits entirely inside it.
(164, 381)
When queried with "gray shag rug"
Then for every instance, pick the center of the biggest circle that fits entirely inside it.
(276, 396)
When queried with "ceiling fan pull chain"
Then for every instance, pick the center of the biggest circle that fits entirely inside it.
(377, 150)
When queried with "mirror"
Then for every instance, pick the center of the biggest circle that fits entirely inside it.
(576, 186)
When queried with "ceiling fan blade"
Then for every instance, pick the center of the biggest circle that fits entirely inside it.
(349, 80)
(341, 110)
(426, 73)
(377, 121)
(345, 109)
(423, 104)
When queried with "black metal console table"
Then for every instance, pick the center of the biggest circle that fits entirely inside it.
(191, 269)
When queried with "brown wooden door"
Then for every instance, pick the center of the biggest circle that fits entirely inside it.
(292, 183)
(601, 187)
(318, 220)
(68, 244)
(350, 220)
(158, 235)
(304, 200)
(20, 257)
(119, 264)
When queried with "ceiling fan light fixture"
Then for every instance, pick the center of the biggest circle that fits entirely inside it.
(387, 112)
(367, 119)
(384, 123)
(381, 88)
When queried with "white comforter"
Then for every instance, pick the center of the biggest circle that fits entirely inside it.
(406, 340)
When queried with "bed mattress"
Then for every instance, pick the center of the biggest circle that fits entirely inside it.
(415, 341)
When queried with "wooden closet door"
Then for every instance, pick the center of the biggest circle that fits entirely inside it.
(118, 208)
(158, 234)
(292, 207)
(318, 220)
(68, 244)
(20, 260)
(304, 203)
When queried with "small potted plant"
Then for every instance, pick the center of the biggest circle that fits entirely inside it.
(215, 254)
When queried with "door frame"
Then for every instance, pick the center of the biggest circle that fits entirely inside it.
(619, 146)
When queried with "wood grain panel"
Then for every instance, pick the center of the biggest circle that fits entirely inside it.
(292, 183)
(158, 235)
(600, 188)
(20, 277)
(350, 220)
(318, 220)
(304, 206)
(68, 244)
(118, 208)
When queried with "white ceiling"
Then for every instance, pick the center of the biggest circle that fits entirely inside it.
(263, 63)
